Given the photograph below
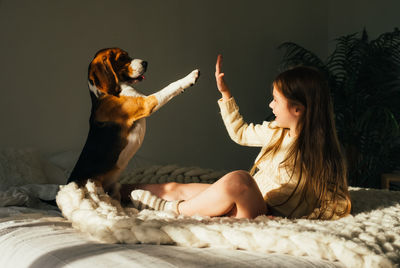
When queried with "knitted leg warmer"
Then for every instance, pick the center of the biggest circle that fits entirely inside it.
(143, 199)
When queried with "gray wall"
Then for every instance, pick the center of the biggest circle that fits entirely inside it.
(347, 17)
(46, 46)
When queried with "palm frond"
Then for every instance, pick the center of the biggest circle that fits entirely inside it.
(364, 77)
(295, 55)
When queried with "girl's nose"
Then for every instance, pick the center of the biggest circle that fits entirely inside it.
(270, 105)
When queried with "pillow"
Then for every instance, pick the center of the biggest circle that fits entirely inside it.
(65, 160)
(54, 174)
(19, 167)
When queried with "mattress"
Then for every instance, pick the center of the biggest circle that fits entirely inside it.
(39, 238)
(34, 233)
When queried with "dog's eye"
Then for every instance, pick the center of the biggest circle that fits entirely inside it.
(100, 124)
(123, 58)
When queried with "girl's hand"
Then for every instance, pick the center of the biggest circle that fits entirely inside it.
(219, 77)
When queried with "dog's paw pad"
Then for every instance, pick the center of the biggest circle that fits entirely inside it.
(190, 79)
(194, 76)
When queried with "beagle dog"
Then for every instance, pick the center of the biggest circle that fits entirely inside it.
(117, 120)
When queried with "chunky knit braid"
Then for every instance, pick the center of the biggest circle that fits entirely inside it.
(93, 212)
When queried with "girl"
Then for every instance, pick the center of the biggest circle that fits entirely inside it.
(298, 173)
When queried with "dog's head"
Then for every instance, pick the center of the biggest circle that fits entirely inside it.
(112, 67)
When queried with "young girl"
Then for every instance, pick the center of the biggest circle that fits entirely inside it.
(298, 173)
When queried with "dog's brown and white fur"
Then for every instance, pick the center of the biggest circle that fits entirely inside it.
(117, 120)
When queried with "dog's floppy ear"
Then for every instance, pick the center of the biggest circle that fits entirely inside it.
(101, 75)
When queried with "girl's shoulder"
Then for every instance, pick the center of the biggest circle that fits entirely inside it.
(274, 133)
(271, 125)
(271, 130)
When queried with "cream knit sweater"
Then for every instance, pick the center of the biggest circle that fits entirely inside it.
(275, 182)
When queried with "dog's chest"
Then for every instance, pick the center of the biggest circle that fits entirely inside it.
(135, 139)
(136, 135)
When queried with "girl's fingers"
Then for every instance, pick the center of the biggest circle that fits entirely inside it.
(221, 83)
(219, 64)
(220, 76)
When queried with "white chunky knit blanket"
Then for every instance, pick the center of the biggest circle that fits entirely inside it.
(369, 237)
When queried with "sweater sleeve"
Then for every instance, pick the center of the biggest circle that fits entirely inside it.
(240, 132)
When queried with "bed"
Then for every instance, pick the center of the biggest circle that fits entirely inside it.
(34, 233)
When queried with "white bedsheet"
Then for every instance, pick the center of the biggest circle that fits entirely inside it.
(37, 241)
(26, 230)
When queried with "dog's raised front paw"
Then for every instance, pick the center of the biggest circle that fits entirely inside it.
(190, 79)
(195, 75)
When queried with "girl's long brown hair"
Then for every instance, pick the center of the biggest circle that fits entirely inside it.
(315, 156)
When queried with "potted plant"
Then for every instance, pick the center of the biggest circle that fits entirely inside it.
(364, 78)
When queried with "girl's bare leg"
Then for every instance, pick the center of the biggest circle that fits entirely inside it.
(168, 191)
(235, 194)
(175, 191)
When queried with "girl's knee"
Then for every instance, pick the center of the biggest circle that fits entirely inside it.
(237, 182)
(170, 191)
(241, 177)
(170, 187)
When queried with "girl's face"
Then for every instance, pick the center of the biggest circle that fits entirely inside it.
(285, 115)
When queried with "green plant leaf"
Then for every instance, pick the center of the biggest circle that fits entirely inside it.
(364, 77)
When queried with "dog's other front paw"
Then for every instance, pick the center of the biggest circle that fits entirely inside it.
(190, 79)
